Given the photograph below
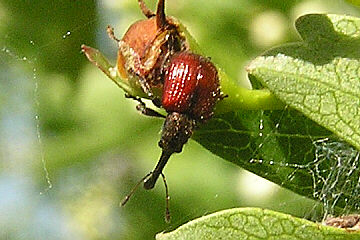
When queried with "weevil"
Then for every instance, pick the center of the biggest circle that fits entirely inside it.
(154, 55)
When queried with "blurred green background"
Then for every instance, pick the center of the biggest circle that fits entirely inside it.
(72, 146)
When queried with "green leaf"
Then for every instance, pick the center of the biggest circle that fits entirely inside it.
(320, 77)
(289, 149)
(98, 59)
(254, 223)
(298, 147)
(354, 2)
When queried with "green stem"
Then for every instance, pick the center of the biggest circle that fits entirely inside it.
(238, 97)
(243, 98)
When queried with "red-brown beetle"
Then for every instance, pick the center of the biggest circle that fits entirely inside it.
(191, 89)
(154, 54)
(191, 86)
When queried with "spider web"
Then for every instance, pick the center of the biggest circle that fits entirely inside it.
(17, 60)
(292, 151)
(334, 170)
(341, 177)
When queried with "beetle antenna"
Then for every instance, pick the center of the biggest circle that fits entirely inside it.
(160, 14)
(127, 197)
(167, 200)
(145, 10)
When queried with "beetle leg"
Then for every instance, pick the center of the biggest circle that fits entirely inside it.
(141, 107)
(222, 96)
(146, 87)
(110, 32)
(160, 14)
(145, 10)
(157, 102)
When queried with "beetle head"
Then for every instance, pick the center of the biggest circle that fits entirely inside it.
(176, 131)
